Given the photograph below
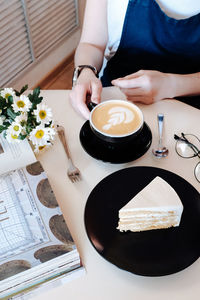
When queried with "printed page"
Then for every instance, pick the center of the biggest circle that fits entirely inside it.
(30, 217)
(14, 156)
(36, 244)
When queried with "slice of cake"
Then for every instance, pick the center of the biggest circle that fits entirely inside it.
(154, 207)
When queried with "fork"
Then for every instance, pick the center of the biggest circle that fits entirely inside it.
(73, 172)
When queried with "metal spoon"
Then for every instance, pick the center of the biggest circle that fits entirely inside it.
(161, 151)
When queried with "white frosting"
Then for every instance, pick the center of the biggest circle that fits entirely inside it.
(158, 195)
(119, 115)
(161, 203)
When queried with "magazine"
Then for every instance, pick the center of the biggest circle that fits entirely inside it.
(36, 246)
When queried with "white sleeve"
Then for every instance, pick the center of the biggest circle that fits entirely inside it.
(116, 12)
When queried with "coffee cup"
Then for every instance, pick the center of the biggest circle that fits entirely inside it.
(116, 120)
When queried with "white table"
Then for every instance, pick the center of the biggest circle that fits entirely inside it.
(104, 281)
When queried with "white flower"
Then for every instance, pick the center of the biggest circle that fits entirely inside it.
(5, 93)
(51, 132)
(21, 103)
(39, 149)
(12, 138)
(15, 128)
(22, 119)
(2, 119)
(25, 123)
(39, 136)
(43, 114)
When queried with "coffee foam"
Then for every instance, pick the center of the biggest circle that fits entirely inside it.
(117, 118)
(118, 115)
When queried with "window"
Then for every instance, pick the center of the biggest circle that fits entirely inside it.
(30, 28)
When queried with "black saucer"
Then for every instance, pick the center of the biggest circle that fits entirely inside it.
(115, 153)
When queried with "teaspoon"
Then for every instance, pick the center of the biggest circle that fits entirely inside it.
(161, 151)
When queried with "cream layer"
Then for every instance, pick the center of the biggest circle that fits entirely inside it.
(146, 227)
(146, 214)
(144, 224)
(148, 220)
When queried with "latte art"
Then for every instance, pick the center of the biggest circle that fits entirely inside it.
(116, 118)
(118, 115)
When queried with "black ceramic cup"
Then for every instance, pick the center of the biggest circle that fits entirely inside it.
(119, 113)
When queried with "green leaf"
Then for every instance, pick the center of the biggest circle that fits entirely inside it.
(29, 128)
(4, 134)
(10, 100)
(2, 128)
(23, 89)
(34, 98)
(6, 124)
(3, 103)
(11, 114)
(36, 92)
(22, 137)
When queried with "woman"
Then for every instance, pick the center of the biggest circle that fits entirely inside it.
(152, 49)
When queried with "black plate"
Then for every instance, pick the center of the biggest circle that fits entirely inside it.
(115, 153)
(149, 253)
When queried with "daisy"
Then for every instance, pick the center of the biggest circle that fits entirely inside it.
(51, 132)
(39, 149)
(15, 128)
(12, 138)
(21, 119)
(39, 136)
(5, 93)
(43, 114)
(21, 103)
(1, 121)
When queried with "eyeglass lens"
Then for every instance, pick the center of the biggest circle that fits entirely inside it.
(190, 149)
(197, 172)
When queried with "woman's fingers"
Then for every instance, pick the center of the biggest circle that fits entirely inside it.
(78, 101)
(131, 82)
(148, 86)
(96, 89)
(82, 94)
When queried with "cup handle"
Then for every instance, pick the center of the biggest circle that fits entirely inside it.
(91, 105)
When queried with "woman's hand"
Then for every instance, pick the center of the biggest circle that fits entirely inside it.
(90, 51)
(146, 86)
(88, 85)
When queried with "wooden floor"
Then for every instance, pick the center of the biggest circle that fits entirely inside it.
(60, 79)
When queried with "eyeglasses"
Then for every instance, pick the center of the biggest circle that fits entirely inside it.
(187, 146)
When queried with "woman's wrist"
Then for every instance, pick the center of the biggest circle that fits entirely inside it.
(86, 74)
(81, 69)
(184, 85)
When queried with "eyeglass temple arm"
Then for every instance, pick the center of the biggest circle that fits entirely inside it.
(183, 138)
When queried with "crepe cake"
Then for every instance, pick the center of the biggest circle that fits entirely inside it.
(156, 206)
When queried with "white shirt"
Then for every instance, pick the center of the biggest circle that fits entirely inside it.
(116, 11)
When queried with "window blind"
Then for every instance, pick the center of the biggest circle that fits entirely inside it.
(15, 52)
(30, 28)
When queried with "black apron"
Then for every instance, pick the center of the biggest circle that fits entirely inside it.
(153, 41)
